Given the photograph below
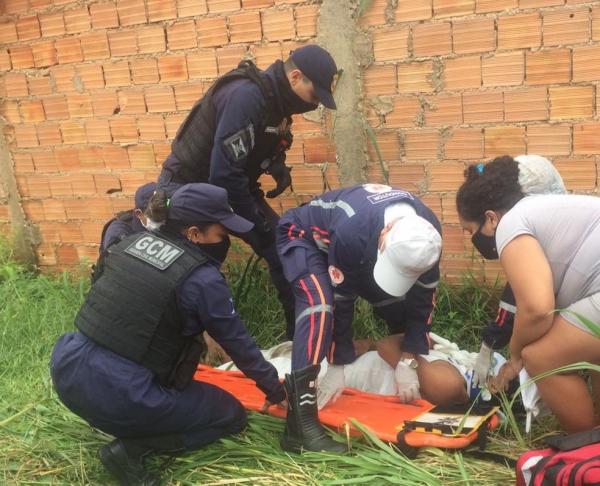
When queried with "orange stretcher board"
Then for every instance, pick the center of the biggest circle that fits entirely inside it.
(383, 415)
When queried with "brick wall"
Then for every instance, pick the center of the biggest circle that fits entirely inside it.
(93, 92)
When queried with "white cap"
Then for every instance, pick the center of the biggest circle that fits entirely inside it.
(537, 175)
(412, 246)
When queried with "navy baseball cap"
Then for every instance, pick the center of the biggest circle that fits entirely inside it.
(143, 195)
(204, 203)
(318, 66)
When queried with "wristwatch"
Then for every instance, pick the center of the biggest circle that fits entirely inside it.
(412, 363)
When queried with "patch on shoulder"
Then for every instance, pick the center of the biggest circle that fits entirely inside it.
(239, 145)
(154, 250)
(336, 275)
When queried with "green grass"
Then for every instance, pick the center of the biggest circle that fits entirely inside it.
(41, 442)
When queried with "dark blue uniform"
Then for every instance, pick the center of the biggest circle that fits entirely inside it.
(497, 333)
(328, 248)
(123, 398)
(119, 228)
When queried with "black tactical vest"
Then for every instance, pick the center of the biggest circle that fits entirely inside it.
(195, 138)
(131, 308)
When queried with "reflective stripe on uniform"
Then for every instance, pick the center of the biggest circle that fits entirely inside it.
(507, 307)
(344, 206)
(314, 308)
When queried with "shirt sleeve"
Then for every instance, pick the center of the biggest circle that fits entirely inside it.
(208, 305)
(116, 230)
(513, 224)
(239, 119)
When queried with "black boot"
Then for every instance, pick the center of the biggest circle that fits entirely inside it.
(303, 431)
(126, 463)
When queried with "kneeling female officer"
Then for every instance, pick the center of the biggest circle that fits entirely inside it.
(128, 369)
(549, 248)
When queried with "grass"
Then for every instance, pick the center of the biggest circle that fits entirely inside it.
(41, 442)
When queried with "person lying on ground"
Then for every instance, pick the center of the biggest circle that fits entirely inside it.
(549, 248)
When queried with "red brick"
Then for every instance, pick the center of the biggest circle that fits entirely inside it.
(306, 20)
(229, 57)
(432, 39)
(80, 105)
(526, 104)
(115, 157)
(474, 35)
(122, 43)
(8, 32)
(278, 24)
(244, 27)
(92, 231)
(172, 68)
(49, 134)
(318, 150)
(144, 71)
(586, 139)
(464, 143)
(54, 210)
(5, 64)
(45, 255)
(132, 102)
(549, 66)
(63, 77)
(68, 50)
(52, 24)
(60, 186)
(15, 85)
(566, 27)
(407, 176)
(151, 39)
(105, 103)
(73, 132)
(549, 139)
(257, 3)
(212, 31)
(104, 15)
(443, 109)
(45, 162)
(21, 57)
(404, 113)
(483, 107)
(9, 110)
(504, 69)
(596, 23)
(56, 108)
(421, 144)
(409, 10)
(131, 12)
(77, 209)
(161, 10)
(308, 180)
(69, 233)
(23, 162)
(95, 46)
(160, 99)
(106, 183)
(414, 77)
(186, 95)
(67, 160)
(578, 174)
(161, 152)
(38, 187)
(123, 129)
(26, 136)
(32, 111)
(97, 131)
(585, 63)
(380, 80)
(116, 73)
(539, 3)
(191, 8)
(219, 6)
(571, 102)
(504, 140)
(266, 54)
(28, 28)
(77, 20)
(202, 64)
(34, 211)
(519, 31)
(172, 124)
(462, 73)
(453, 8)
(141, 156)
(374, 13)
(15, 6)
(390, 44)
(151, 128)
(44, 54)
(91, 75)
(446, 177)
(182, 35)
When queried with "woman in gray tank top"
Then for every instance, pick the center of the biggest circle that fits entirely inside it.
(549, 248)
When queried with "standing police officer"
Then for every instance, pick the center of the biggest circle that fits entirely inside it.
(128, 369)
(372, 241)
(239, 130)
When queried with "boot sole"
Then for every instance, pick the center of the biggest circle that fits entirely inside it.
(297, 447)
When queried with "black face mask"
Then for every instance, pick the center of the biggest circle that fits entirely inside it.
(217, 251)
(486, 245)
(292, 103)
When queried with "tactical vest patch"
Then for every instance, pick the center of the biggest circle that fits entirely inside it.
(154, 250)
(239, 145)
(387, 196)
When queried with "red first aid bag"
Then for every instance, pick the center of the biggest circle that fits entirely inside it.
(571, 460)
